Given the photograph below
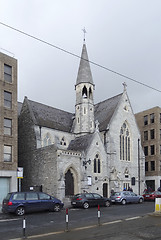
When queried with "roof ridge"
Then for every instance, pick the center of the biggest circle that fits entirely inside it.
(108, 99)
(49, 106)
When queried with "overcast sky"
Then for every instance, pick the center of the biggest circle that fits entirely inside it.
(122, 35)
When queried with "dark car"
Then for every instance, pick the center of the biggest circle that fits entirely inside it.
(151, 196)
(87, 200)
(22, 202)
(126, 197)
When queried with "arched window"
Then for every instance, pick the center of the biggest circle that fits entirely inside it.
(90, 93)
(97, 164)
(63, 142)
(124, 143)
(84, 92)
(47, 140)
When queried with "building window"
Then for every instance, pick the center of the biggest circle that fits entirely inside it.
(7, 126)
(152, 118)
(160, 165)
(63, 142)
(145, 135)
(84, 92)
(146, 120)
(146, 151)
(152, 133)
(7, 73)
(97, 164)
(152, 164)
(146, 166)
(7, 153)
(124, 143)
(7, 99)
(160, 117)
(152, 150)
(47, 140)
(160, 149)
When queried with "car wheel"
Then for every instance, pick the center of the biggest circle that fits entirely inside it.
(20, 211)
(107, 204)
(123, 202)
(140, 200)
(56, 208)
(86, 205)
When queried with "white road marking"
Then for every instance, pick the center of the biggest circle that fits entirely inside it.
(107, 223)
(133, 218)
(8, 220)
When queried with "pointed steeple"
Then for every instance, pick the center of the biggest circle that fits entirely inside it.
(84, 107)
(84, 72)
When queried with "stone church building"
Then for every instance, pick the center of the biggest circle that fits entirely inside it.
(95, 149)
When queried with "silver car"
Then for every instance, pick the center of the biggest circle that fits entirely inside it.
(126, 197)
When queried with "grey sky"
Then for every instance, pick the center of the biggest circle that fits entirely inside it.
(122, 35)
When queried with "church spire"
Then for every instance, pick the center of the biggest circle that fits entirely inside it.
(84, 72)
(84, 107)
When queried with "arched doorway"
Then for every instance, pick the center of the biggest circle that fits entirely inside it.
(69, 183)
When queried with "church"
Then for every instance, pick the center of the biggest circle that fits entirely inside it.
(96, 149)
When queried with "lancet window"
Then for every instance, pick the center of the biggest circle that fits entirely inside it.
(125, 143)
(97, 164)
(47, 140)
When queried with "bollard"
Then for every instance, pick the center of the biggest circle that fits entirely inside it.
(24, 228)
(158, 205)
(99, 215)
(66, 220)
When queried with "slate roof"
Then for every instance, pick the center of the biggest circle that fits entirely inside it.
(54, 118)
(50, 117)
(104, 111)
(84, 72)
(81, 143)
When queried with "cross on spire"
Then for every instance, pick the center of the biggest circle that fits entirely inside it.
(125, 86)
(84, 31)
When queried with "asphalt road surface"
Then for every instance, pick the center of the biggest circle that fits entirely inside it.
(131, 221)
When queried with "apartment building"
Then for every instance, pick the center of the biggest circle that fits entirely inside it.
(8, 124)
(149, 122)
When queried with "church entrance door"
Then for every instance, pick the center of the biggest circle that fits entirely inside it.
(105, 187)
(69, 183)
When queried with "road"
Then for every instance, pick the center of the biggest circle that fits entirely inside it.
(49, 222)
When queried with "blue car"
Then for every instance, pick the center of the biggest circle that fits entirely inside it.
(22, 202)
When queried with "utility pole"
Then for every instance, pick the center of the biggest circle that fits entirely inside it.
(139, 166)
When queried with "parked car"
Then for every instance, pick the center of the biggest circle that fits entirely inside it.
(87, 200)
(22, 202)
(151, 196)
(124, 197)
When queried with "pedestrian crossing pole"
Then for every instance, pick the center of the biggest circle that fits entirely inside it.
(66, 219)
(99, 215)
(24, 228)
